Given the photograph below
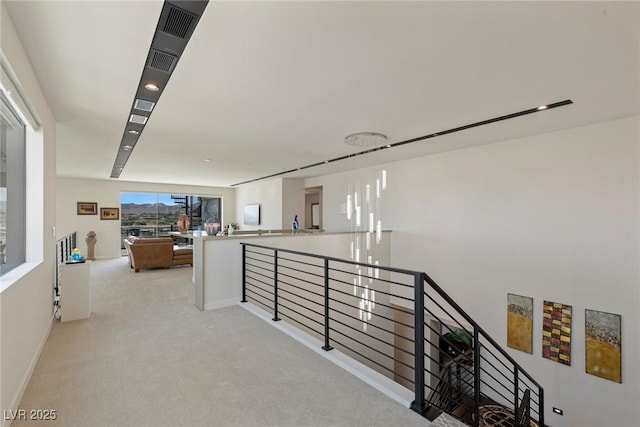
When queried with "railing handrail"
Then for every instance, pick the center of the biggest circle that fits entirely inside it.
(474, 324)
(341, 260)
(419, 279)
(65, 244)
(427, 279)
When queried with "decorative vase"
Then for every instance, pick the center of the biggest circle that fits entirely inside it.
(211, 227)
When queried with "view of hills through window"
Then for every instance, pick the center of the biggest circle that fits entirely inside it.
(156, 215)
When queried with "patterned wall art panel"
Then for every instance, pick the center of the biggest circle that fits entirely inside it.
(603, 344)
(520, 323)
(556, 332)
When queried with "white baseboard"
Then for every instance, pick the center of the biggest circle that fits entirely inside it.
(221, 303)
(376, 380)
(27, 376)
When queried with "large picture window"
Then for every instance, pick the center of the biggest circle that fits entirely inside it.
(156, 215)
(12, 187)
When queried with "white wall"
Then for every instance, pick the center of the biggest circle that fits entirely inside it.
(217, 261)
(26, 303)
(268, 194)
(553, 216)
(279, 199)
(107, 194)
(293, 196)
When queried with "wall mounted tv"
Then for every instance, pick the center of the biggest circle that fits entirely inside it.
(252, 214)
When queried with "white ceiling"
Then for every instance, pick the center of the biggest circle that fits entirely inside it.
(270, 86)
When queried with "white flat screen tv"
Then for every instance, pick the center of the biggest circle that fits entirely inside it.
(252, 214)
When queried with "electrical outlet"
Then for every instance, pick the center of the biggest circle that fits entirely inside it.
(558, 411)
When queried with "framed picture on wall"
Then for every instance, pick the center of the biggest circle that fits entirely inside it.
(603, 344)
(87, 208)
(520, 323)
(109, 213)
(556, 332)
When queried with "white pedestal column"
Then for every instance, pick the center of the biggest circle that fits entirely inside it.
(75, 292)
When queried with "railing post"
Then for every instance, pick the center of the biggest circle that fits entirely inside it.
(326, 346)
(244, 273)
(541, 406)
(275, 285)
(419, 404)
(516, 400)
(476, 377)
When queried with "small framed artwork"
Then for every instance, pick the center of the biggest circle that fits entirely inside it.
(109, 213)
(556, 332)
(87, 208)
(520, 323)
(603, 344)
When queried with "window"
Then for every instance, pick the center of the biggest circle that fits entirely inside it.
(156, 215)
(12, 187)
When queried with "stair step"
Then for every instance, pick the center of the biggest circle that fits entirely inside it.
(498, 416)
(446, 420)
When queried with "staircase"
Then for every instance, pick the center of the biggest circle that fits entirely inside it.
(191, 207)
(181, 200)
(401, 324)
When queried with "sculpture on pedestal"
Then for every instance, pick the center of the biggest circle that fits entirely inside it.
(183, 223)
(91, 245)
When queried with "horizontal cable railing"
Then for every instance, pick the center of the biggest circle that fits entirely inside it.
(383, 317)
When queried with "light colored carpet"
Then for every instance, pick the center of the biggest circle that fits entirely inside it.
(446, 420)
(148, 357)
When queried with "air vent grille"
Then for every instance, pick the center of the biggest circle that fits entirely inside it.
(175, 27)
(141, 120)
(143, 105)
(162, 61)
(178, 23)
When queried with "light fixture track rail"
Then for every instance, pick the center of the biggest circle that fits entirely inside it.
(420, 138)
(177, 22)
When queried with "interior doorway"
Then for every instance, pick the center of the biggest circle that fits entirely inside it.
(313, 208)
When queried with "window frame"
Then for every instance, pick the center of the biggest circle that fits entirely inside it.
(13, 133)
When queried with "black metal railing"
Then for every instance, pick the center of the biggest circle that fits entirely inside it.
(398, 322)
(64, 247)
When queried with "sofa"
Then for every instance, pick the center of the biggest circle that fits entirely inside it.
(156, 252)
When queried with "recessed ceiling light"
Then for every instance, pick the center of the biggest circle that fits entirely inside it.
(127, 147)
(152, 87)
(542, 107)
(206, 160)
(134, 132)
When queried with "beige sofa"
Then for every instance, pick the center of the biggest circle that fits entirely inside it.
(156, 252)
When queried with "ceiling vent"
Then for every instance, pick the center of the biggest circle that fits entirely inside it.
(141, 120)
(178, 22)
(175, 27)
(162, 61)
(143, 105)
